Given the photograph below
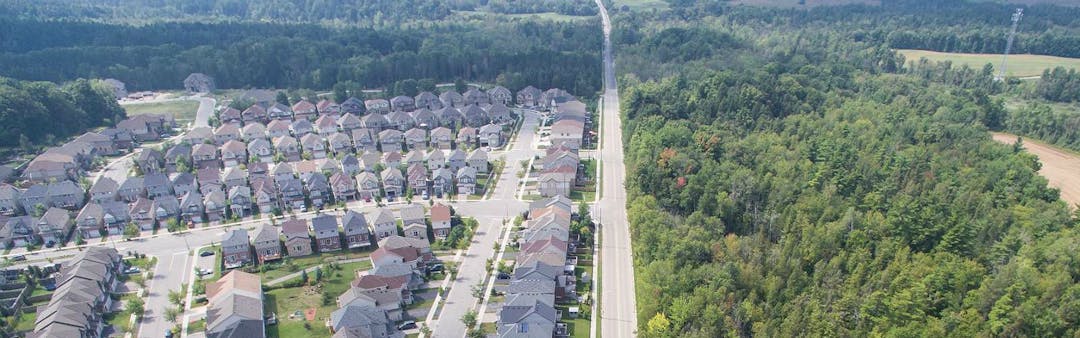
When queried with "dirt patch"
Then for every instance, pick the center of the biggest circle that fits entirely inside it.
(1060, 167)
(309, 314)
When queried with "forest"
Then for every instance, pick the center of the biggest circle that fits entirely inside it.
(790, 181)
(44, 112)
(242, 55)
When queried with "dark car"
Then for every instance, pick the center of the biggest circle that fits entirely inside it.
(206, 253)
(407, 325)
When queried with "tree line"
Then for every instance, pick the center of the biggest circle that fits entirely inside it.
(41, 112)
(160, 56)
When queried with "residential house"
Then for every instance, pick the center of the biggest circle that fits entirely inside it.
(456, 159)
(233, 153)
(326, 125)
(279, 128)
(90, 221)
(267, 243)
(122, 139)
(191, 207)
(318, 189)
(529, 96)
(361, 320)
(498, 113)
(253, 131)
(403, 250)
(182, 183)
(328, 165)
(402, 104)
(178, 156)
(65, 194)
(442, 182)
(413, 213)
(375, 121)
(265, 195)
(440, 220)
(227, 132)
(103, 145)
(383, 224)
(369, 159)
(343, 187)
(300, 128)
(391, 140)
(236, 249)
(357, 233)
(240, 201)
(393, 183)
(451, 98)
(491, 136)
(82, 294)
(354, 106)
(205, 156)
(474, 116)
(364, 140)
(258, 170)
(116, 217)
(367, 186)
(478, 159)
(51, 167)
(215, 206)
(474, 96)
(449, 117)
(37, 196)
(400, 120)
(387, 295)
(416, 138)
(435, 159)
(165, 208)
(297, 239)
(54, 226)
(392, 159)
(500, 95)
(327, 107)
(150, 161)
(10, 196)
(209, 180)
(466, 181)
(287, 147)
(413, 157)
(18, 231)
(260, 150)
(235, 306)
(313, 144)
(282, 172)
(350, 165)
(304, 110)
(340, 143)
(229, 115)
(424, 118)
(557, 181)
(442, 138)
(157, 184)
(467, 138)
(105, 189)
(327, 237)
(523, 319)
(279, 111)
(567, 133)
(292, 193)
(427, 100)
(255, 113)
(378, 106)
(142, 214)
(417, 176)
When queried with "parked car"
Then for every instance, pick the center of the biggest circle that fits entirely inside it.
(132, 270)
(206, 253)
(18, 258)
(407, 325)
(205, 272)
(437, 267)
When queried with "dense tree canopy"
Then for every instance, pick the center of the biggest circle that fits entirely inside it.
(35, 112)
(796, 182)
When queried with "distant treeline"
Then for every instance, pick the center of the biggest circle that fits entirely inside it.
(238, 55)
(43, 112)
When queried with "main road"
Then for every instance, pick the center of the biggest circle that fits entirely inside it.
(618, 308)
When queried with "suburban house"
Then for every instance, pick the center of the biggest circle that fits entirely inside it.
(343, 186)
(367, 186)
(374, 121)
(357, 234)
(234, 177)
(279, 111)
(500, 95)
(414, 157)
(267, 243)
(416, 138)
(440, 220)
(392, 159)
(567, 132)
(36, 196)
(402, 104)
(400, 121)
(214, 205)
(236, 249)
(413, 213)
(442, 182)
(435, 159)
(183, 182)
(393, 183)
(265, 195)
(150, 161)
(235, 306)
(490, 135)
(10, 195)
(403, 250)
(54, 226)
(529, 96)
(157, 185)
(478, 159)
(474, 96)
(279, 128)
(177, 154)
(313, 145)
(498, 113)
(442, 138)
(205, 156)
(292, 193)
(456, 159)
(361, 318)
(240, 201)
(390, 140)
(166, 208)
(304, 110)
(451, 98)
(234, 153)
(90, 221)
(353, 105)
(255, 113)
(427, 100)
(466, 138)
(297, 239)
(340, 143)
(449, 117)
(142, 214)
(253, 131)
(18, 231)
(466, 181)
(227, 132)
(318, 189)
(84, 285)
(209, 180)
(230, 114)
(383, 223)
(474, 116)
(287, 147)
(557, 181)
(327, 237)
(416, 175)
(378, 106)
(424, 118)
(363, 139)
(260, 150)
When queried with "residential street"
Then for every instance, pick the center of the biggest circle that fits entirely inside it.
(618, 309)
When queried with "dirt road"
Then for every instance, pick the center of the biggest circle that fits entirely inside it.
(1060, 167)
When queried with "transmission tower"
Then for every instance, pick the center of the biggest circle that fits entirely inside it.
(1008, 45)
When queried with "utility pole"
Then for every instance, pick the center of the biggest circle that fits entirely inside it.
(1008, 45)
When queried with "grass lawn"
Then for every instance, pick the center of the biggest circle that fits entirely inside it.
(122, 319)
(1020, 65)
(39, 290)
(183, 111)
(588, 195)
(641, 5)
(488, 328)
(285, 301)
(281, 268)
(197, 326)
(578, 327)
(25, 322)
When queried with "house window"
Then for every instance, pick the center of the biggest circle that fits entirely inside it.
(523, 328)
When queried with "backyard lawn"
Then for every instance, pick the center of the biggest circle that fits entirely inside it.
(286, 301)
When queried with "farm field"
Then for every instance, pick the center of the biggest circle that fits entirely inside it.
(1020, 65)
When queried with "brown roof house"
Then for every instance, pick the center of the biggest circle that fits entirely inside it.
(297, 239)
(500, 94)
(235, 307)
(440, 220)
(442, 138)
(343, 186)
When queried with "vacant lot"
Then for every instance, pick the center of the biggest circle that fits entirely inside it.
(638, 5)
(1021, 65)
(183, 111)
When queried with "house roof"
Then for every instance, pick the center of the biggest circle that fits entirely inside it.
(103, 185)
(397, 242)
(303, 105)
(324, 224)
(354, 223)
(382, 215)
(266, 233)
(294, 227)
(440, 213)
(281, 125)
(466, 172)
(235, 237)
(203, 149)
(412, 212)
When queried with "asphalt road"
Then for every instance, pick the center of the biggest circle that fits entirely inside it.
(618, 309)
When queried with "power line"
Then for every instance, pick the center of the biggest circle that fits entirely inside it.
(1008, 45)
